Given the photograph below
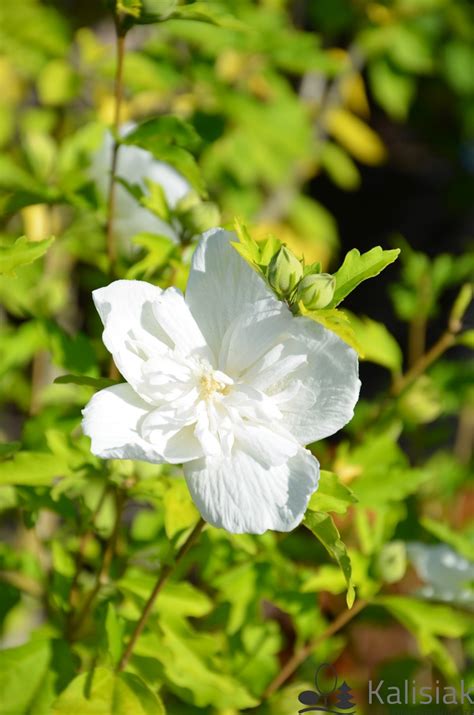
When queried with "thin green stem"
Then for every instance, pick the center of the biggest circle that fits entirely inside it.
(424, 362)
(162, 579)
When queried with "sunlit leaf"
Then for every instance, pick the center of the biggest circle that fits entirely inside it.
(377, 344)
(331, 495)
(336, 321)
(22, 671)
(108, 693)
(358, 267)
(21, 253)
(356, 136)
(324, 529)
(32, 469)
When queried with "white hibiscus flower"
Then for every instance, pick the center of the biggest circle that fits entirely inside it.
(226, 381)
(136, 165)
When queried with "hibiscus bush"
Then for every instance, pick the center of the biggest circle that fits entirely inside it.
(236, 395)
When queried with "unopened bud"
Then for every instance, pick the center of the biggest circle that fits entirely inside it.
(187, 202)
(316, 291)
(391, 562)
(284, 272)
(201, 217)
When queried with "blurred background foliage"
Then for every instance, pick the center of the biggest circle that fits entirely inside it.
(332, 124)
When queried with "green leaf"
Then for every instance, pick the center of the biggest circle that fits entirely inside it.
(9, 448)
(380, 470)
(180, 512)
(428, 622)
(163, 130)
(159, 252)
(129, 7)
(176, 599)
(145, 12)
(99, 383)
(359, 267)
(376, 343)
(71, 352)
(467, 339)
(21, 253)
(331, 495)
(325, 530)
(460, 542)
(184, 162)
(114, 628)
(22, 672)
(194, 675)
(103, 692)
(33, 469)
(340, 166)
(209, 13)
(170, 139)
(392, 89)
(257, 254)
(337, 321)
(155, 201)
(58, 83)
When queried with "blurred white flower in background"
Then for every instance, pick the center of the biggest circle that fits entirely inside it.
(226, 381)
(135, 165)
(447, 575)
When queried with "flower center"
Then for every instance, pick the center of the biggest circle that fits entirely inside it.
(212, 382)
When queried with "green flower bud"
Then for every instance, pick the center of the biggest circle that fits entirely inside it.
(316, 290)
(391, 562)
(201, 217)
(187, 202)
(284, 272)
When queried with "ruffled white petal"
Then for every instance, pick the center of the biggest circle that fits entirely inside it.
(121, 426)
(112, 420)
(221, 286)
(131, 331)
(258, 328)
(241, 496)
(175, 318)
(313, 377)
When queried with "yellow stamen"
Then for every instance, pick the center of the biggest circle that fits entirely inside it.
(209, 385)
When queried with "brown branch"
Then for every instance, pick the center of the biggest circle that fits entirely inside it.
(300, 656)
(424, 362)
(162, 579)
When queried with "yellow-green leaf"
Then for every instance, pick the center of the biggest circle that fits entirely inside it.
(331, 495)
(104, 692)
(356, 136)
(21, 253)
(378, 345)
(358, 267)
(325, 530)
(336, 321)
